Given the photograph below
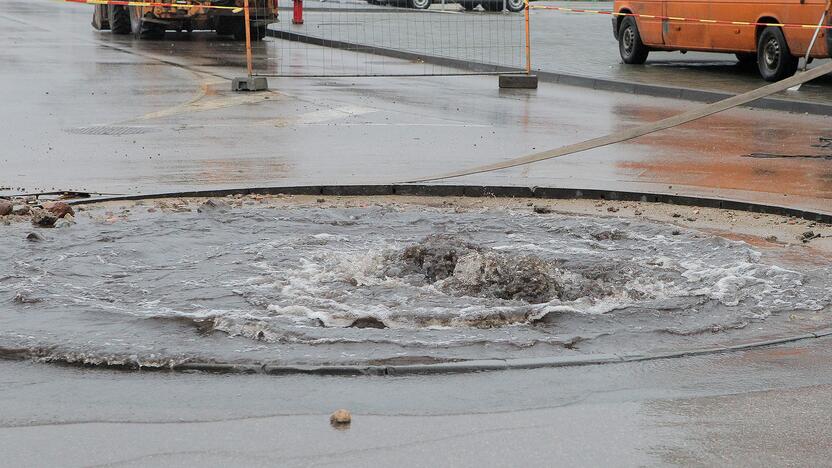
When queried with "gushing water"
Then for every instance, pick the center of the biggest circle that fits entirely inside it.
(385, 283)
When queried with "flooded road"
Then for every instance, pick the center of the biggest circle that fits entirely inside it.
(391, 283)
(166, 121)
(369, 281)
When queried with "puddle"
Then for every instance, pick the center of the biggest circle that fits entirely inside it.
(388, 283)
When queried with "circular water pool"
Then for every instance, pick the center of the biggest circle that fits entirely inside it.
(372, 281)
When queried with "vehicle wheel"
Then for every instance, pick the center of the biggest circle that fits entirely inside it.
(492, 5)
(774, 60)
(257, 32)
(515, 5)
(224, 27)
(144, 29)
(119, 19)
(632, 50)
(101, 18)
(468, 6)
(419, 4)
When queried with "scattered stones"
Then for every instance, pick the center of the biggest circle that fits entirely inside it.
(340, 419)
(676, 232)
(59, 209)
(807, 236)
(613, 209)
(214, 205)
(771, 238)
(690, 219)
(62, 223)
(637, 212)
(676, 215)
(542, 209)
(21, 210)
(321, 200)
(5, 207)
(34, 237)
(43, 218)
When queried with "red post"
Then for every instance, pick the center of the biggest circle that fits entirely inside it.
(298, 12)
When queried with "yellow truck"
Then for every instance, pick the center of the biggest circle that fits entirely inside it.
(151, 19)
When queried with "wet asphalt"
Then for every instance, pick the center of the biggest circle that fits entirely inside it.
(759, 408)
(87, 111)
(94, 112)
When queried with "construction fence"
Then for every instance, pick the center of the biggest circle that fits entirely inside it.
(358, 38)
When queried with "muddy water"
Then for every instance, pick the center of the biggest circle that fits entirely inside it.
(387, 284)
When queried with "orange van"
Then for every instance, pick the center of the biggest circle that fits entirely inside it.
(645, 25)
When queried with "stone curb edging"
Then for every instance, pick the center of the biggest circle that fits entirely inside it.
(544, 193)
(601, 84)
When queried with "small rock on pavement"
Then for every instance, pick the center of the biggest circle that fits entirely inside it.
(43, 218)
(34, 237)
(613, 209)
(808, 235)
(542, 209)
(214, 204)
(340, 418)
(62, 223)
(59, 209)
(21, 210)
(5, 207)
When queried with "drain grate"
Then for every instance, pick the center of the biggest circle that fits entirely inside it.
(110, 130)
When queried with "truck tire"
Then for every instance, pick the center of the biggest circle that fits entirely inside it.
(774, 59)
(119, 16)
(632, 50)
(101, 18)
(144, 29)
(224, 26)
(257, 32)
